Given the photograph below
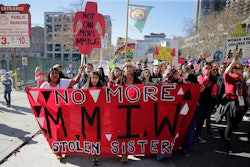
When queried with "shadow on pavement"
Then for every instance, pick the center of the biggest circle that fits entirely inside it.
(14, 132)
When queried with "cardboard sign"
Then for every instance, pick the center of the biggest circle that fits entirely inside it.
(88, 36)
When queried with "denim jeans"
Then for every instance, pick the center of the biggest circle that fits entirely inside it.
(7, 97)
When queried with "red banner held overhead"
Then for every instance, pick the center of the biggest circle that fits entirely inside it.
(133, 119)
(88, 36)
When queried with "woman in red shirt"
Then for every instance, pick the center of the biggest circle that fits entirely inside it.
(235, 101)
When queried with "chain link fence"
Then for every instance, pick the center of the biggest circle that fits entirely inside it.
(26, 73)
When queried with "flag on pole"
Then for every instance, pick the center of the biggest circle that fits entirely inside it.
(138, 15)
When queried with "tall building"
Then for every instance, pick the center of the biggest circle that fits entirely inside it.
(58, 36)
(207, 7)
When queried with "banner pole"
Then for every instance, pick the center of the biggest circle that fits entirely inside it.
(126, 42)
(15, 70)
(83, 60)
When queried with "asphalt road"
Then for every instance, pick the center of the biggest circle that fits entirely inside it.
(210, 154)
(21, 146)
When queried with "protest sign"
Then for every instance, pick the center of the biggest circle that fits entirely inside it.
(134, 119)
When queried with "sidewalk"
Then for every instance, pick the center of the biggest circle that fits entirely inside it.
(21, 145)
(17, 123)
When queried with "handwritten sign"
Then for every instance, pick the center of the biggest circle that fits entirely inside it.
(88, 36)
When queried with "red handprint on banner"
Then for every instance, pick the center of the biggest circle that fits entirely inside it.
(88, 36)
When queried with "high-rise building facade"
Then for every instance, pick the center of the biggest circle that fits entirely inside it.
(207, 7)
(58, 36)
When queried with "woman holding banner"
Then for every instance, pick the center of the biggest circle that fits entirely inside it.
(128, 78)
(55, 82)
(93, 82)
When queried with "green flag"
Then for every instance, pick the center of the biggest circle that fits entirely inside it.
(138, 15)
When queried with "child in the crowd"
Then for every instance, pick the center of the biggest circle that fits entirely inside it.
(93, 82)
(7, 82)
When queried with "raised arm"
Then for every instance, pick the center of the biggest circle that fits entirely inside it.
(77, 78)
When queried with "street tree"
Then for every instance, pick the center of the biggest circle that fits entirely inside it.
(65, 35)
(212, 31)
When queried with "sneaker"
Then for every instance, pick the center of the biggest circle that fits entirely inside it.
(59, 157)
(185, 152)
(222, 137)
(227, 146)
(200, 140)
(124, 159)
(95, 161)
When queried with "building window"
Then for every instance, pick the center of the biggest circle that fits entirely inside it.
(50, 55)
(66, 47)
(58, 47)
(76, 57)
(57, 18)
(48, 28)
(49, 38)
(58, 56)
(66, 57)
(58, 28)
(49, 47)
(48, 19)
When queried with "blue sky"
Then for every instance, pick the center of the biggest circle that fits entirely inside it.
(167, 16)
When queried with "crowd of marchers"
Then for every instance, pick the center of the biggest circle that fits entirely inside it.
(224, 90)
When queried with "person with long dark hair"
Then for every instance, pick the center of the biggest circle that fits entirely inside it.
(93, 82)
(115, 77)
(55, 82)
(103, 78)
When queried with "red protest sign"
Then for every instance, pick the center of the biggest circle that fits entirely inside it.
(133, 119)
(88, 36)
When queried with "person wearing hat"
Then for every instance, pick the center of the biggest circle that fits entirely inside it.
(7, 82)
(128, 78)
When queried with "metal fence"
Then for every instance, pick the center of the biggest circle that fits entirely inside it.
(26, 73)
